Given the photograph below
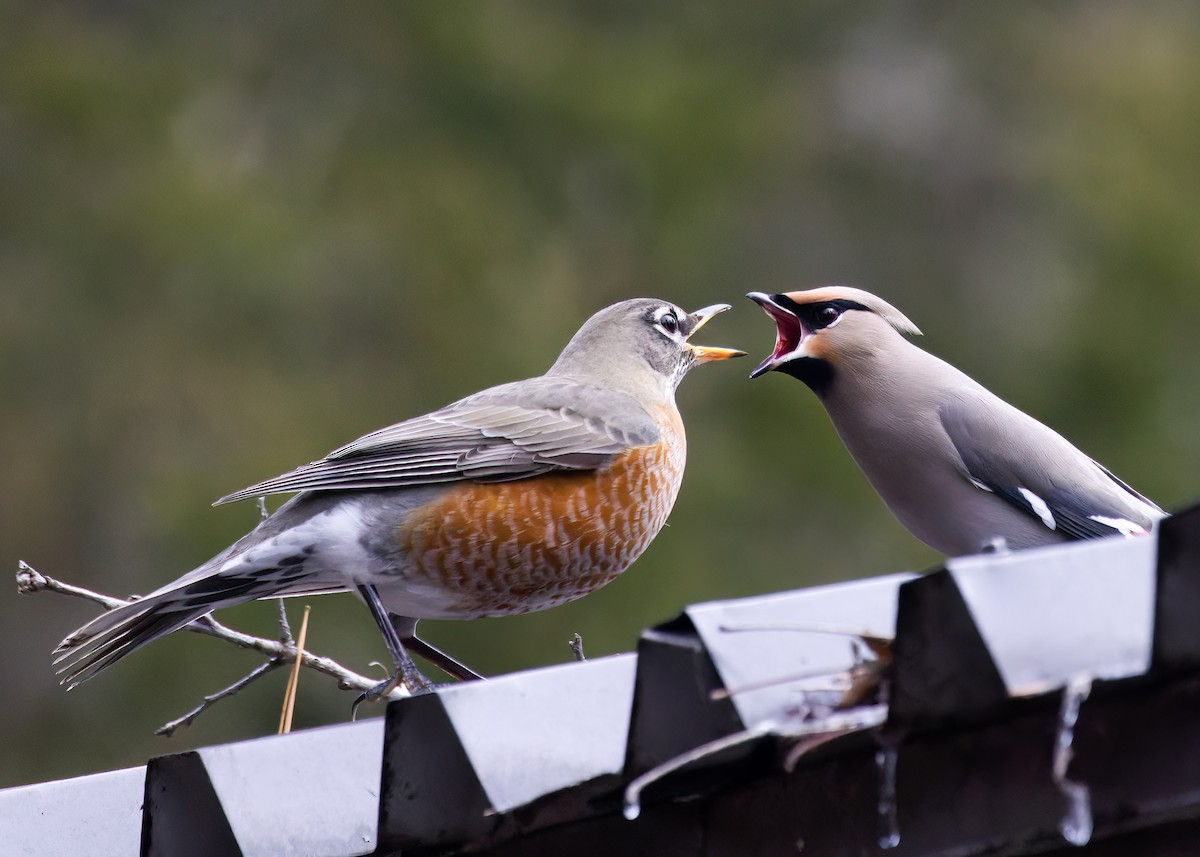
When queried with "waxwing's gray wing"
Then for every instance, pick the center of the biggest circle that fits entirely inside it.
(508, 432)
(1012, 455)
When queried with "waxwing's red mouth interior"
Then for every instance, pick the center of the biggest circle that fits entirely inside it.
(789, 332)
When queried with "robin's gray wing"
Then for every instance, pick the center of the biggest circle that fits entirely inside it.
(508, 432)
(1039, 472)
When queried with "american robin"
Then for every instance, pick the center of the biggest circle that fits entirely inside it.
(515, 499)
(960, 467)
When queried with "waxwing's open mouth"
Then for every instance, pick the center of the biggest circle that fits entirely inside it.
(789, 332)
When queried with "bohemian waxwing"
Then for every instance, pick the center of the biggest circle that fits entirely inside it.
(960, 468)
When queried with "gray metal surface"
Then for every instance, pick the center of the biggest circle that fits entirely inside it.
(1049, 613)
(560, 726)
(314, 792)
(536, 763)
(993, 627)
(1177, 608)
(458, 759)
(775, 655)
(673, 707)
(99, 815)
(983, 791)
(771, 650)
(942, 671)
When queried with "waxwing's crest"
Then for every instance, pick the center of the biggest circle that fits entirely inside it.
(875, 304)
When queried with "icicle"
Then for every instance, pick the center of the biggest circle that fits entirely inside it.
(885, 761)
(633, 791)
(1076, 825)
(633, 808)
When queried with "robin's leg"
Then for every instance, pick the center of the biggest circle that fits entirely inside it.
(406, 671)
(406, 629)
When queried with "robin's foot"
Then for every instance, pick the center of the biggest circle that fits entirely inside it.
(415, 683)
(406, 671)
(441, 660)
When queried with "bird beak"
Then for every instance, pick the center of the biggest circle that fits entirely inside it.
(705, 353)
(789, 333)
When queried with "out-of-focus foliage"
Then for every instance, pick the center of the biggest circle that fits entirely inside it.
(233, 237)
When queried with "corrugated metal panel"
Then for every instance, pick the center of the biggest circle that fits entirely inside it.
(1035, 703)
(98, 815)
(314, 792)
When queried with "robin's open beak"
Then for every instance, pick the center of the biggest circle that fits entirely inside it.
(705, 353)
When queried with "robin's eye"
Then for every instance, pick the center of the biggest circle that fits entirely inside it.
(828, 315)
(669, 322)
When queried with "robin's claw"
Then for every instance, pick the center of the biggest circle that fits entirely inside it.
(373, 694)
(415, 684)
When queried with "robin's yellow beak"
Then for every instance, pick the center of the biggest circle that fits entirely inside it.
(705, 353)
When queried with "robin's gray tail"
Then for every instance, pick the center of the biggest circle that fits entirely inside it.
(112, 635)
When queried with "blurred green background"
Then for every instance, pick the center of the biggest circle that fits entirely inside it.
(234, 237)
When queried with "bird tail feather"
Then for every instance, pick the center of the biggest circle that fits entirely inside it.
(112, 635)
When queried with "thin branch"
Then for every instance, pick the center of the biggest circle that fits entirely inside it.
(30, 581)
(576, 644)
(833, 726)
(877, 643)
(168, 729)
(285, 629)
(773, 683)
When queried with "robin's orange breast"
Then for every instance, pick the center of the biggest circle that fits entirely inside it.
(515, 547)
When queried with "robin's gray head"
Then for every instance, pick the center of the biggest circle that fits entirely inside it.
(820, 329)
(639, 343)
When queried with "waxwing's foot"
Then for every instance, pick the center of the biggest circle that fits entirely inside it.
(995, 545)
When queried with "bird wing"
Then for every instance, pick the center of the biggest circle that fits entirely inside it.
(508, 432)
(1012, 455)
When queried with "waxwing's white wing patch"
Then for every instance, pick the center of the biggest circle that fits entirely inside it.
(1122, 526)
(1039, 507)
(981, 486)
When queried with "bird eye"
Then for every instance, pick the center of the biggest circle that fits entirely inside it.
(669, 322)
(828, 315)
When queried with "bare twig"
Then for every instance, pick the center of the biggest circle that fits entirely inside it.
(833, 726)
(877, 643)
(576, 644)
(774, 682)
(30, 581)
(168, 729)
(285, 629)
